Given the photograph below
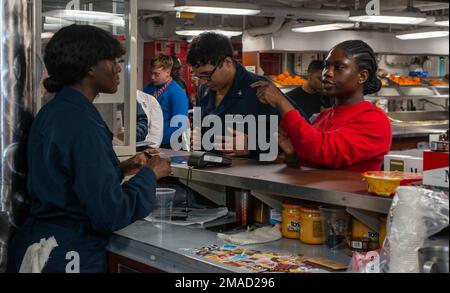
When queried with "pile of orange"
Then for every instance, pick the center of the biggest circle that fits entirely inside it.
(437, 82)
(286, 79)
(405, 80)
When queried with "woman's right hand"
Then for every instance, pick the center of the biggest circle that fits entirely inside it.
(160, 166)
(268, 93)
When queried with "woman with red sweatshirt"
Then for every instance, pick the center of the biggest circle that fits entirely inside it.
(353, 135)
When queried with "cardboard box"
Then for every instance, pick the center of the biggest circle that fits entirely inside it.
(435, 168)
(434, 137)
(404, 163)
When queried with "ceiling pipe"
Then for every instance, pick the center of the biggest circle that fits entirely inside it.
(276, 25)
(316, 14)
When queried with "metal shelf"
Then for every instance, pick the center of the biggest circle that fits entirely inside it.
(323, 186)
(166, 249)
(401, 94)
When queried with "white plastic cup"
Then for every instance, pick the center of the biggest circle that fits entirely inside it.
(163, 204)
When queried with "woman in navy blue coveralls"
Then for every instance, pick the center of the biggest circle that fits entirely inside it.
(74, 176)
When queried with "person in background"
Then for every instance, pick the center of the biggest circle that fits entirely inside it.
(353, 135)
(224, 86)
(141, 123)
(170, 95)
(176, 73)
(74, 176)
(310, 95)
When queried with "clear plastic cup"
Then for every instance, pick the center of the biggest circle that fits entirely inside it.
(163, 205)
(336, 226)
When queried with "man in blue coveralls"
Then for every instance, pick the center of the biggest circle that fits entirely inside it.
(225, 88)
(74, 176)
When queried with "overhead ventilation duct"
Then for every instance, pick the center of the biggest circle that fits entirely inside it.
(147, 28)
(153, 26)
(276, 25)
(303, 13)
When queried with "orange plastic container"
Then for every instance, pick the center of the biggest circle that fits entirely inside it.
(386, 182)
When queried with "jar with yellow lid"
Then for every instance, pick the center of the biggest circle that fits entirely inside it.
(310, 226)
(360, 232)
(290, 223)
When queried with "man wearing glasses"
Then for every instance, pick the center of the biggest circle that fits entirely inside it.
(225, 87)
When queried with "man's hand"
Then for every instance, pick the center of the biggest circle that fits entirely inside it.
(234, 146)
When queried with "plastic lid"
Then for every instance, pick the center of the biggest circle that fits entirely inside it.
(289, 205)
(392, 175)
(309, 210)
(333, 208)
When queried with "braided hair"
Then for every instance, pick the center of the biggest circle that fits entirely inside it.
(365, 58)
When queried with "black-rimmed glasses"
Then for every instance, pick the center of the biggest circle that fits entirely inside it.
(207, 77)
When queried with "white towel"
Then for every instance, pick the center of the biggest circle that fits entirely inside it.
(37, 255)
(260, 235)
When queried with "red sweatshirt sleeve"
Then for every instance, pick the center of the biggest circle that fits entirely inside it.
(363, 137)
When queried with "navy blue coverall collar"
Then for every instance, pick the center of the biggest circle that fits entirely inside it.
(73, 96)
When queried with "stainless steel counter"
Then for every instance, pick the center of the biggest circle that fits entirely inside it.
(163, 249)
(406, 131)
(166, 249)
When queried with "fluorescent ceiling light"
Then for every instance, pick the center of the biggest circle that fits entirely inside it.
(58, 26)
(423, 34)
(387, 17)
(53, 20)
(46, 35)
(88, 16)
(215, 7)
(53, 26)
(195, 32)
(441, 22)
(320, 27)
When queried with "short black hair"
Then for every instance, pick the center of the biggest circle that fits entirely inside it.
(316, 65)
(365, 58)
(209, 48)
(73, 50)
